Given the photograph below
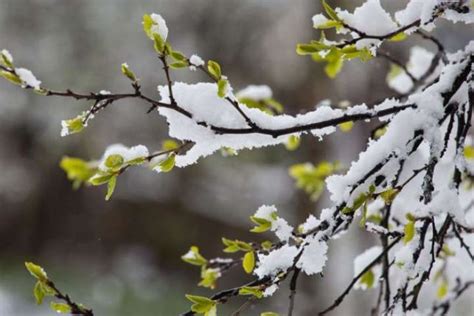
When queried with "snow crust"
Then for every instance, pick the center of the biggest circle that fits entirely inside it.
(202, 102)
(255, 92)
(159, 27)
(125, 152)
(28, 78)
(276, 261)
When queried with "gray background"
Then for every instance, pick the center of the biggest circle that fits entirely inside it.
(122, 257)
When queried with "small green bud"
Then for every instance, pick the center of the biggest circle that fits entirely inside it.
(128, 73)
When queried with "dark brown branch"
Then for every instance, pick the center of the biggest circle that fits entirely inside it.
(250, 130)
(76, 309)
(463, 243)
(363, 35)
(293, 282)
(339, 300)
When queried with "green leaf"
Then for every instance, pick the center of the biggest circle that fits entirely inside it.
(251, 290)
(41, 91)
(136, 161)
(394, 72)
(236, 245)
(309, 49)
(194, 257)
(111, 187)
(100, 178)
(13, 78)
(389, 195)
(293, 142)
(227, 242)
(363, 219)
(169, 144)
(268, 106)
(75, 125)
(249, 262)
(147, 25)
(380, 132)
(274, 104)
(38, 293)
(447, 252)
(243, 246)
(311, 178)
(263, 225)
(159, 44)
(368, 279)
(329, 25)
(212, 311)
(398, 37)
(269, 314)
(47, 290)
(128, 73)
(261, 228)
(334, 67)
(266, 245)
(178, 56)
(209, 278)
(346, 126)
(6, 60)
(77, 170)
(202, 305)
(442, 290)
(60, 307)
(114, 161)
(351, 52)
(222, 85)
(228, 152)
(214, 69)
(409, 231)
(168, 164)
(410, 217)
(36, 271)
(179, 65)
(375, 218)
(469, 152)
(330, 11)
(358, 202)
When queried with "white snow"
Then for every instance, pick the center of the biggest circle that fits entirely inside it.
(7, 55)
(363, 260)
(28, 78)
(399, 132)
(424, 11)
(269, 291)
(159, 26)
(255, 92)
(189, 255)
(127, 153)
(281, 228)
(371, 19)
(202, 101)
(310, 223)
(318, 20)
(419, 63)
(266, 212)
(314, 256)
(196, 61)
(276, 261)
(417, 9)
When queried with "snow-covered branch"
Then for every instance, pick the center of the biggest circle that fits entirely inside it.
(412, 186)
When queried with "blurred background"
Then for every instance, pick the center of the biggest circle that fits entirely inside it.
(122, 257)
